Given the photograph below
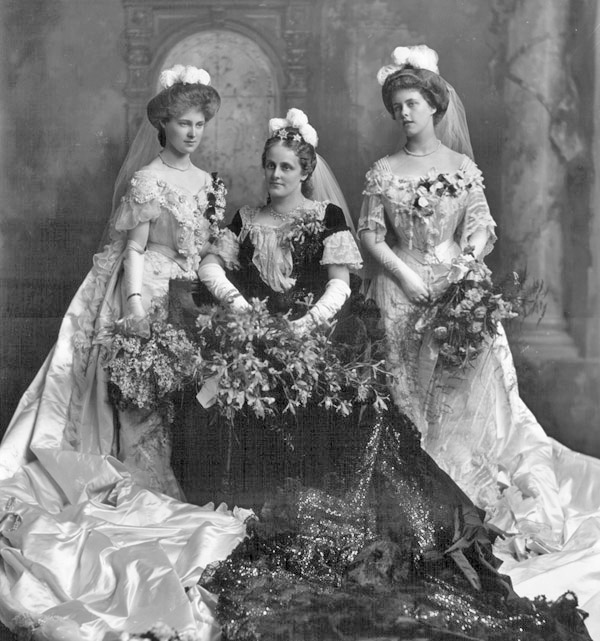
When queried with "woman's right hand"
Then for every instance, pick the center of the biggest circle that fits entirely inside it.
(414, 287)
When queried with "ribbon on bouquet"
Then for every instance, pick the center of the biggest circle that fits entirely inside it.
(207, 396)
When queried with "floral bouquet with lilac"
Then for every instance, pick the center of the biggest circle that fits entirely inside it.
(469, 311)
(146, 371)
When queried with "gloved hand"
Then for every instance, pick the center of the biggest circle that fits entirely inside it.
(215, 279)
(335, 295)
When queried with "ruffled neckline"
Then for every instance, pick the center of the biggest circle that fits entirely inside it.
(383, 166)
(176, 189)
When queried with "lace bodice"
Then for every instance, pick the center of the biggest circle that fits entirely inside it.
(176, 216)
(424, 212)
(317, 236)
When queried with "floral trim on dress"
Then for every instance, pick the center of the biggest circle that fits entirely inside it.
(418, 202)
(149, 195)
(417, 198)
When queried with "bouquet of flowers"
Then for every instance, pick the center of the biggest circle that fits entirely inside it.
(469, 311)
(257, 363)
(146, 371)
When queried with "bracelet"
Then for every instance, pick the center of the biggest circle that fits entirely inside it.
(134, 294)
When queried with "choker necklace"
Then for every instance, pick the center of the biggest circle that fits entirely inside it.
(288, 214)
(164, 162)
(412, 153)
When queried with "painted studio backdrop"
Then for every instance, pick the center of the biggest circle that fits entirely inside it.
(76, 75)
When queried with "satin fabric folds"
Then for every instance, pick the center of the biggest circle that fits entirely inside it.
(123, 560)
(87, 549)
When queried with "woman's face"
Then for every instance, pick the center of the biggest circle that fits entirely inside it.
(184, 133)
(412, 111)
(283, 172)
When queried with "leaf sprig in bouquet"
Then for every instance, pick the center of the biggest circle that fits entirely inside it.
(146, 371)
(262, 366)
(469, 311)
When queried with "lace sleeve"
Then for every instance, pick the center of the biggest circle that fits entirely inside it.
(477, 213)
(340, 249)
(140, 203)
(372, 214)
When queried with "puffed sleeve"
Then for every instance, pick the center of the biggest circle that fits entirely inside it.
(227, 245)
(477, 214)
(141, 202)
(372, 213)
(339, 246)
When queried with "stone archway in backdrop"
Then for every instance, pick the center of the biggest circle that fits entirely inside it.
(257, 56)
(247, 83)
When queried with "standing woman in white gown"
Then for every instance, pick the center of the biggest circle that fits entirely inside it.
(93, 539)
(472, 420)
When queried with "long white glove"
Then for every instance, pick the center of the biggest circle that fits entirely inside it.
(335, 295)
(215, 279)
(133, 275)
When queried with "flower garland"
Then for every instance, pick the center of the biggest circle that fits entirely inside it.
(469, 312)
(215, 211)
(431, 189)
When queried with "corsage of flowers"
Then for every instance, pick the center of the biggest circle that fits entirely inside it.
(469, 312)
(296, 119)
(215, 211)
(431, 189)
(304, 237)
(187, 75)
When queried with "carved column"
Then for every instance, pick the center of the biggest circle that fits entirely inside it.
(539, 143)
(593, 333)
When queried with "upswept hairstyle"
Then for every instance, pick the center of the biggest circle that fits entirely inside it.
(179, 98)
(305, 152)
(431, 86)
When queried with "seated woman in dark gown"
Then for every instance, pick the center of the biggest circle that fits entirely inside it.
(360, 534)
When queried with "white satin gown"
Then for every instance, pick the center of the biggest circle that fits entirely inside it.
(473, 423)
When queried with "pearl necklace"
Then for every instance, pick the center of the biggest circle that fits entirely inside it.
(164, 162)
(412, 153)
(288, 214)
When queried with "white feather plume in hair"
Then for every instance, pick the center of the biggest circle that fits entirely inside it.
(298, 119)
(189, 75)
(418, 56)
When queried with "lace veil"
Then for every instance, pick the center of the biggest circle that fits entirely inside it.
(326, 187)
(143, 149)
